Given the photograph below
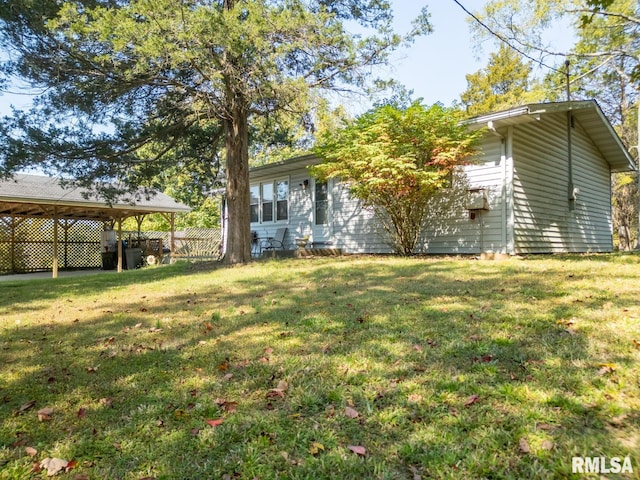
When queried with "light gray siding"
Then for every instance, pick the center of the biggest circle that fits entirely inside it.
(523, 169)
(544, 223)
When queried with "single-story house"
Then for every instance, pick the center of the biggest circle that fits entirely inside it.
(541, 183)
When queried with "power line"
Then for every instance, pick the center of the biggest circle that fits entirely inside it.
(505, 41)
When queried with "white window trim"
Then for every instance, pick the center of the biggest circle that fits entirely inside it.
(274, 184)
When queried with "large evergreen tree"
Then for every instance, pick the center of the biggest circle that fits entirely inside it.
(119, 76)
(505, 82)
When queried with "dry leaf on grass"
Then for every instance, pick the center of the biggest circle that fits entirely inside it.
(524, 446)
(45, 414)
(351, 412)
(214, 423)
(316, 448)
(53, 465)
(26, 407)
(358, 450)
(471, 400)
(32, 452)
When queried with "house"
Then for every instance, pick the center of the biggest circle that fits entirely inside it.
(541, 183)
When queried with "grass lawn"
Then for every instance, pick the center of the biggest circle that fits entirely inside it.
(349, 368)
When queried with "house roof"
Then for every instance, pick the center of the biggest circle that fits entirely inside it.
(37, 195)
(587, 112)
(284, 166)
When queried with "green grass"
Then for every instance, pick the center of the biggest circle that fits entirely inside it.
(133, 365)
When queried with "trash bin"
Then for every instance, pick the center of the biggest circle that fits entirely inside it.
(109, 260)
(133, 258)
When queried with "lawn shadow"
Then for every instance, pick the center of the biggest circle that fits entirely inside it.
(451, 366)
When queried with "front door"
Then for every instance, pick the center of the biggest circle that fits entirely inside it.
(321, 214)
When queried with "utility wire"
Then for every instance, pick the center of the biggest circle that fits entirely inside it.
(505, 41)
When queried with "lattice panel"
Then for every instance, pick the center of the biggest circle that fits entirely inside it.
(26, 244)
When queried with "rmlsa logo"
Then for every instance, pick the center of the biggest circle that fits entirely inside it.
(601, 465)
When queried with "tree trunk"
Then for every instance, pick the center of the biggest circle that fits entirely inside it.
(238, 203)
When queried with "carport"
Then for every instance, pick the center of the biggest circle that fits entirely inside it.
(26, 197)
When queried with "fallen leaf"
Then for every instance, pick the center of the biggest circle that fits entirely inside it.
(416, 473)
(32, 452)
(71, 465)
(414, 398)
(545, 426)
(81, 476)
(228, 376)
(351, 412)
(223, 366)
(282, 385)
(26, 406)
(82, 412)
(45, 414)
(524, 446)
(606, 368)
(471, 400)
(268, 350)
(547, 445)
(180, 413)
(230, 406)
(53, 465)
(358, 450)
(316, 448)
(214, 423)
(636, 343)
(619, 420)
(275, 393)
(417, 348)
(107, 401)
(91, 369)
(195, 432)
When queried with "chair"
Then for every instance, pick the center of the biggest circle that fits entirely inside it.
(276, 242)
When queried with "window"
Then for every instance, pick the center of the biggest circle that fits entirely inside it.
(267, 202)
(282, 200)
(321, 204)
(254, 191)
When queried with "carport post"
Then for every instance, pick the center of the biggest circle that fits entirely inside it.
(55, 243)
(119, 244)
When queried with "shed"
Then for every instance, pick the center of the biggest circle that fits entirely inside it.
(32, 198)
(541, 183)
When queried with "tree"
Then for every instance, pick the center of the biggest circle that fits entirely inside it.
(120, 75)
(505, 82)
(395, 160)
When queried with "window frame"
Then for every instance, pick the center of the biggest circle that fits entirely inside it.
(273, 185)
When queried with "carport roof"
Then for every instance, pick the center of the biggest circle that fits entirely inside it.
(40, 196)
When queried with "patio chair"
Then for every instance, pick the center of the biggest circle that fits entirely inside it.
(276, 242)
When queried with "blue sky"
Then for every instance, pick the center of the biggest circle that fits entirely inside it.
(434, 67)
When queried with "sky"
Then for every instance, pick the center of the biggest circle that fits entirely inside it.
(434, 67)
(436, 64)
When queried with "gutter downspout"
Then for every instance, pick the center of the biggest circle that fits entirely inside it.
(571, 194)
